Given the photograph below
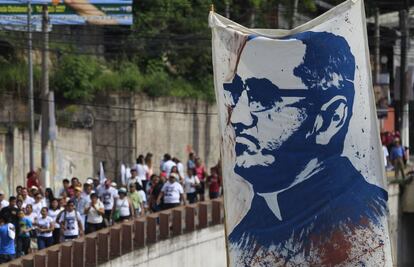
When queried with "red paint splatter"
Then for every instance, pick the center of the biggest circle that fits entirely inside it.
(336, 250)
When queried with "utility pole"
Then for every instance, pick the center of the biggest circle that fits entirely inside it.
(30, 86)
(45, 99)
(228, 9)
(253, 17)
(292, 21)
(404, 108)
(377, 64)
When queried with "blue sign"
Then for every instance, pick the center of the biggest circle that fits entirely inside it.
(71, 12)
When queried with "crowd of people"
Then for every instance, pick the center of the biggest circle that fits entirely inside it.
(33, 219)
(396, 156)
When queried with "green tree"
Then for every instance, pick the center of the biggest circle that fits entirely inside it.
(74, 76)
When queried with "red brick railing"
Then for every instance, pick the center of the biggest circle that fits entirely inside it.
(112, 242)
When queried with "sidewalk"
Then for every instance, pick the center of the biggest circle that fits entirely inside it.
(408, 168)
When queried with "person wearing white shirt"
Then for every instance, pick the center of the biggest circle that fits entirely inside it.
(386, 155)
(3, 203)
(70, 222)
(53, 213)
(45, 226)
(142, 170)
(134, 178)
(87, 189)
(94, 212)
(168, 164)
(191, 182)
(26, 198)
(172, 192)
(38, 204)
(180, 167)
(143, 197)
(108, 194)
(123, 206)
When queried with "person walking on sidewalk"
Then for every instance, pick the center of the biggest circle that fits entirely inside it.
(23, 238)
(95, 212)
(45, 226)
(70, 222)
(7, 236)
(123, 208)
(172, 192)
(397, 156)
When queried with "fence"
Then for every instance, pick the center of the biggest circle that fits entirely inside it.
(112, 242)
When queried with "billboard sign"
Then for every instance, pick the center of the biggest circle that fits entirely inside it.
(67, 12)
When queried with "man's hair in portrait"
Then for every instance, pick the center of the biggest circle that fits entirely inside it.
(327, 70)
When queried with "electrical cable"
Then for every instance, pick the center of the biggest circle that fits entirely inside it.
(74, 103)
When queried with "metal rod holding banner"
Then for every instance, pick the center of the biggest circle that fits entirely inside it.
(30, 85)
(227, 9)
(45, 99)
(404, 108)
(377, 65)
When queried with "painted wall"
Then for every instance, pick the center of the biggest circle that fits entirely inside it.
(203, 248)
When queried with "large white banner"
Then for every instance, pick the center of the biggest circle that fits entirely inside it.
(302, 161)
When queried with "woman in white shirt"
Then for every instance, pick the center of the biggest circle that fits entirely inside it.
(94, 213)
(123, 209)
(45, 227)
(142, 171)
(172, 192)
(38, 204)
(70, 222)
(191, 183)
(53, 213)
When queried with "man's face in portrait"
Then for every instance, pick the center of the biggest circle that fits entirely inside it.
(288, 105)
(264, 115)
(262, 124)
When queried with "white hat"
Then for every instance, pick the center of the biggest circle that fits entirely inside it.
(113, 184)
(174, 175)
(89, 181)
(122, 190)
(34, 187)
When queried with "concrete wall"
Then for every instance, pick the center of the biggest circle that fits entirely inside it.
(72, 156)
(177, 133)
(125, 125)
(394, 219)
(407, 198)
(203, 248)
(138, 124)
(407, 240)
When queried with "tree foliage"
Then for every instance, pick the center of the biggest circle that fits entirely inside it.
(167, 53)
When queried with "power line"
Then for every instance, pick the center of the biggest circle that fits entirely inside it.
(120, 108)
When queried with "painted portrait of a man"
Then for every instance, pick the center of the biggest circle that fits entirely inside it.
(290, 115)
